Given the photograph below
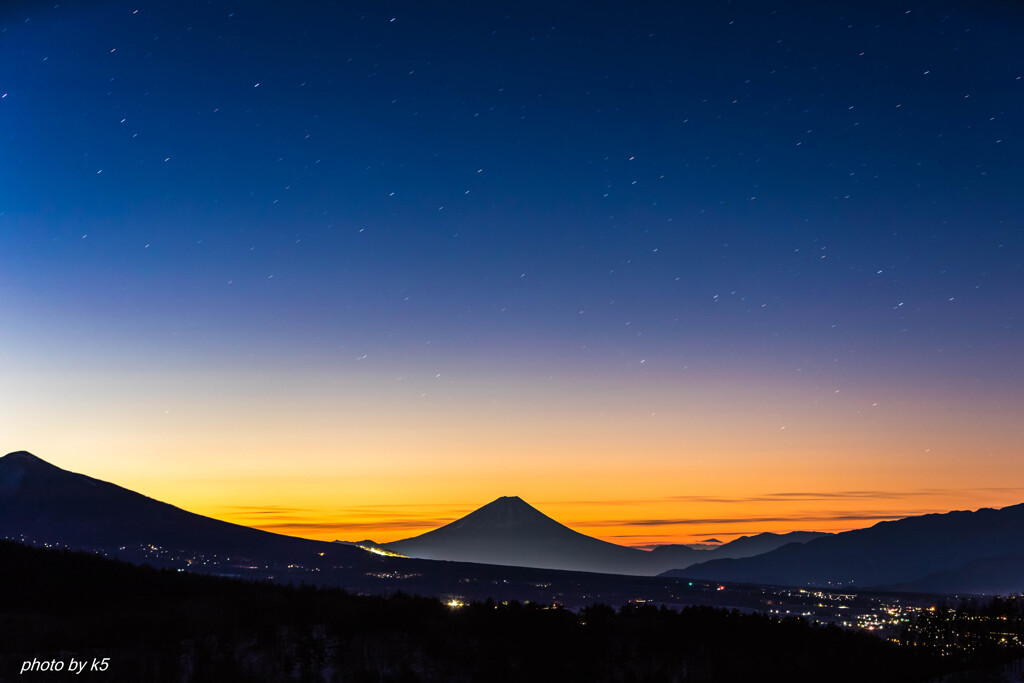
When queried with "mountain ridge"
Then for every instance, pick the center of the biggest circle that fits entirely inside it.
(44, 503)
(893, 552)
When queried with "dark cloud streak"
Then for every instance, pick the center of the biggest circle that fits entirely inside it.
(823, 517)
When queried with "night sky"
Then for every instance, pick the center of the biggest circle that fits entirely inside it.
(665, 270)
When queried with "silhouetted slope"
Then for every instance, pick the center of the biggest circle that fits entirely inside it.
(895, 552)
(1002, 575)
(677, 555)
(44, 504)
(508, 531)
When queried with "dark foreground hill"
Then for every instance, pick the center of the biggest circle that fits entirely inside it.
(159, 626)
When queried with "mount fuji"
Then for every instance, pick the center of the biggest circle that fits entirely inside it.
(509, 531)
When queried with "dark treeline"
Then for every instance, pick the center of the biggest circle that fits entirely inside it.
(158, 625)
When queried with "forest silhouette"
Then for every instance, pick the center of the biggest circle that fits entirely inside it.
(161, 625)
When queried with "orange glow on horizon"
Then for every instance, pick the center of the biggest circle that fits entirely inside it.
(635, 461)
(641, 523)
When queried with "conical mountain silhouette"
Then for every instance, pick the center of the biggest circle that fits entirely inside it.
(509, 531)
(507, 512)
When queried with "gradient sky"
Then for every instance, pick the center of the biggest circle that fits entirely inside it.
(667, 271)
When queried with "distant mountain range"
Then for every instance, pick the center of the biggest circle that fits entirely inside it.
(509, 531)
(745, 546)
(980, 552)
